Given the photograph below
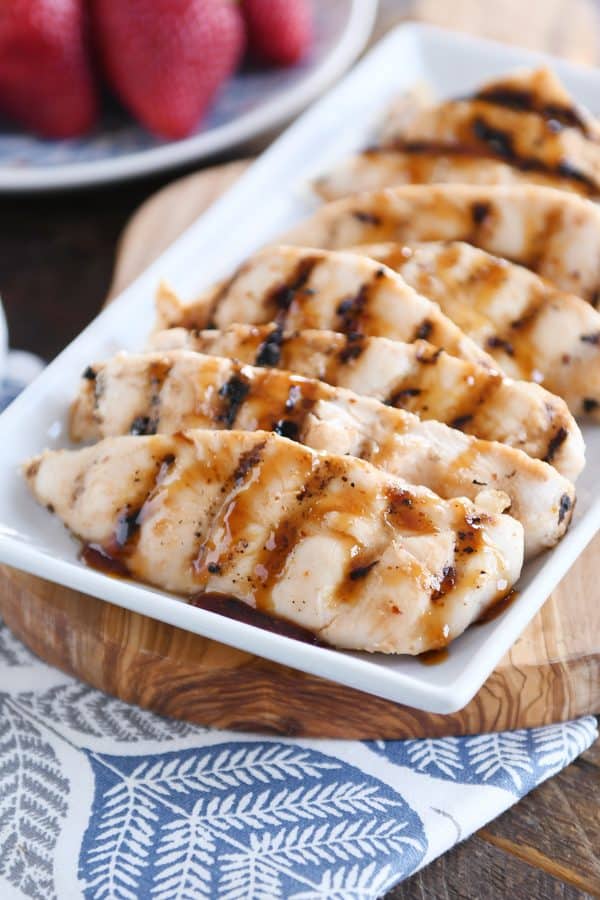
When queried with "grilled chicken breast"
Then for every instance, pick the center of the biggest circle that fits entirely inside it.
(552, 232)
(524, 127)
(149, 393)
(529, 92)
(383, 167)
(417, 377)
(532, 329)
(330, 543)
(301, 288)
(527, 119)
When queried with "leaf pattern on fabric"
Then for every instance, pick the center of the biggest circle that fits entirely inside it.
(12, 651)
(249, 820)
(90, 712)
(556, 745)
(33, 803)
(513, 760)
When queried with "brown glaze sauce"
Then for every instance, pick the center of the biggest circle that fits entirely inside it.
(499, 607)
(97, 557)
(434, 657)
(232, 608)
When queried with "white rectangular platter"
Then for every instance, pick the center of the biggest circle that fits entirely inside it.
(266, 201)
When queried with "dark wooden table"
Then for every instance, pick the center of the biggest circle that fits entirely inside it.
(56, 257)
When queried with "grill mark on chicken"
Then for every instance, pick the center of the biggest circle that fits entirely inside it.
(555, 443)
(147, 423)
(350, 311)
(269, 352)
(398, 396)
(113, 555)
(234, 393)
(289, 531)
(566, 505)
(523, 100)
(280, 298)
(230, 515)
(353, 349)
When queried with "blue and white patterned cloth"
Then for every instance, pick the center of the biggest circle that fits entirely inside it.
(99, 799)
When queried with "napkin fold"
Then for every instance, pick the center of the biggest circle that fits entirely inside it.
(99, 799)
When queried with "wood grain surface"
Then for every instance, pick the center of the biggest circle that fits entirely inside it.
(551, 674)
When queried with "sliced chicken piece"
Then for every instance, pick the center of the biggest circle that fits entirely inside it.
(417, 377)
(302, 288)
(329, 543)
(537, 91)
(527, 120)
(532, 329)
(520, 128)
(552, 232)
(149, 393)
(384, 167)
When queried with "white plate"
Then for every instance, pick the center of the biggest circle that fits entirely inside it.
(252, 102)
(264, 202)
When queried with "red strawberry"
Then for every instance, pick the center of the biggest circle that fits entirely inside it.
(166, 59)
(45, 75)
(279, 31)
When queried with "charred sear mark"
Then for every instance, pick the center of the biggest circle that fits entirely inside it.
(447, 583)
(564, 507)
(282, 297)
(350, 311)
(269, 352)
(355, 344)
(143, 425)
(360, 572)
(366, 217)
(526, 101)
(128, 524)
(500, 142)
(424, 330)
(89, 374)
(426, 358)
(497, 343)
(480, 212)
(287, 428)
(568, 170)
(248, 461)
(556, 442)
(234, 393)
(460, 421)
(590, 405)
(593, 338)
(399, 397)
(214, 568)
(168, 460)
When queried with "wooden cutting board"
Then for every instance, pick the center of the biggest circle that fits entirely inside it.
(552, 673)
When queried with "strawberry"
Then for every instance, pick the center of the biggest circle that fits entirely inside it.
(46, 81)
(279, 31)
(166, 59)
